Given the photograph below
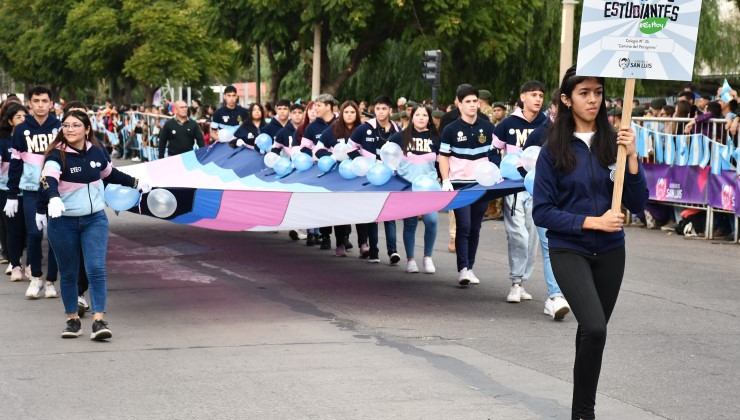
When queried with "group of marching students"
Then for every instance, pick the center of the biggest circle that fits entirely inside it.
(52, 177)
(568, 215)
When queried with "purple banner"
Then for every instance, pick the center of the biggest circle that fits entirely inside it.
(723, 190)
(678, 184)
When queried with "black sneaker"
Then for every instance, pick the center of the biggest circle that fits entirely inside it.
(395, 258)
(100, 331)
(373, 256)
(73, 328)
(325, 242)
(293, 235)
(347, 244)
(310, 241)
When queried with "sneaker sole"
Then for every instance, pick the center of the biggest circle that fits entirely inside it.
(395, 259)
(373, 261)
(51, 297)
(513, 300)
(526, 298)
(561, 313)
(67, 334)
(464, 282)
(412, 272)
(101, 335)
(430, 271)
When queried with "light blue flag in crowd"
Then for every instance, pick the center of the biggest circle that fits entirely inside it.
(659, 147)
(642, 141)
(670, 151)
(695, 150)
(727, 155)
(706, 154)
(737, 160)
(725, 93)
(717, 152)
(682, 158)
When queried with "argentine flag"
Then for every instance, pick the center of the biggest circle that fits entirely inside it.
(717, 152)
(727, 154)
(659, 147)
(706, 155)
(725, 93)
(682, 150)
(670, 150)
(695, 155)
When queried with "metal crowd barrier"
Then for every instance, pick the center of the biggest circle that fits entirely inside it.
(716, 131)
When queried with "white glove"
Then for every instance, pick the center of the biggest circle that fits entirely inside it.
(447, 185)
(11, 207)
(144, 187)
(55, 207)
(240, 142)
(40, 221)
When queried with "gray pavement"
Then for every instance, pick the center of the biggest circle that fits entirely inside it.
(254, 326)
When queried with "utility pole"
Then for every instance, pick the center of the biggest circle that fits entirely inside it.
(316, 71)
(566, 37)
(258, 84)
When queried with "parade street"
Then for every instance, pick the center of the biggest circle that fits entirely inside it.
(221, 325)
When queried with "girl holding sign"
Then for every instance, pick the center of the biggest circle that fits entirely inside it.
(572, 199)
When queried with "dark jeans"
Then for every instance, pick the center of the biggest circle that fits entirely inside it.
(590, 284)
(340, 232)
(468, 221)
(35, 236)
(89, 234)
(3, 225)
(16, 227)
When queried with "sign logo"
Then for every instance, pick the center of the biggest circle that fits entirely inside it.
(624, 62)
(728, 197)
(661, 188)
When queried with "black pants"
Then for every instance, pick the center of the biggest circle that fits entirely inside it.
(340, 232)
(590, 284)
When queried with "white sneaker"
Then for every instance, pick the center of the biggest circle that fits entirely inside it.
(473, 278)
(135, 159)
(302, 235)
(556, 307)
(525, 295)
(27, 271)
(411, 267)
(464, 278)
(34, 289)
(9, 269)
(50, 291)
(515, 294)
(16, 274)
(429, 266)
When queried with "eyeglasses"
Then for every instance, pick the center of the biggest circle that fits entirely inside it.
(76, 126)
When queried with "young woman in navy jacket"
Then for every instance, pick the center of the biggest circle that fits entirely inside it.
(572, 199)
(71, 192)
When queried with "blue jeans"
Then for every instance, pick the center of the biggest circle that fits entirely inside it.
(521, 234)
(552, 285)
(390, 235)
(468, 221)
(35, 236)
(68, 235)
(430, 234)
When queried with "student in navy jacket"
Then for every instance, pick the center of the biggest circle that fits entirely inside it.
(71, 192)
(229, 115)
(282, 115)
(572, 199)
(247, 133)
(13, 114)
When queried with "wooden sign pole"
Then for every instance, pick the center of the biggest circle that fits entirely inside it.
(627, 105)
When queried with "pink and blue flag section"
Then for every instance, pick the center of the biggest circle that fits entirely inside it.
(221, 188)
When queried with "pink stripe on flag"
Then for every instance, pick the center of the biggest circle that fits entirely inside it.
(243, 210)
(397, 205)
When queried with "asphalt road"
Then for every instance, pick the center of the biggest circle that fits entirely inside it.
(254, 326)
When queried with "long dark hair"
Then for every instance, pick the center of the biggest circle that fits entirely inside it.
(408, 132)
(306, 121)
(560, 133)
(340, 129)
(7, 115)
(61, 141)
(262, 112)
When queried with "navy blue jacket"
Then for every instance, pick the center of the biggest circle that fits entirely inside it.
(273, 127)
(312, 135)
(247, 132)
(30, 141)
(537, 137)
(562, 201)
(285, 138)
(229, 117)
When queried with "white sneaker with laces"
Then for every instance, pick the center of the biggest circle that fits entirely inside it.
(9, 269)
(556, 307)
(302, 235)
(464, 277)
(34, 289)
(515, 293)
(411, 267)
(525, 295)
(16, 274)
(429, 266)
(50, 291)
(27, 271)
(473, 278)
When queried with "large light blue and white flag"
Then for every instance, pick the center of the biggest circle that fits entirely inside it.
(669, 155)
(706, 154)
(682, 158)
(725, 93)
(695, 150)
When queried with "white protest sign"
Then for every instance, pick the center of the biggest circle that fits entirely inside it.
(638, 39)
